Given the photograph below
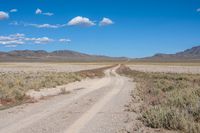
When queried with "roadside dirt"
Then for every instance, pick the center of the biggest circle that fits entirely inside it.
(92, 106)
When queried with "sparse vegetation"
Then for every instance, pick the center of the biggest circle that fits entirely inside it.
(13, 86)
(170, 101)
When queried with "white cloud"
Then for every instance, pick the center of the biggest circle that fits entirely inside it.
(42, 40)
(3, 15)
(18, 39)
(14, 40)
(64, 40)
(17, 35)
(198, 10)
(13, 10)
(45, 25)
(8, 40)
(79, 20)
(75, 21)
(38, 11)
(53, 26)
(106, 21)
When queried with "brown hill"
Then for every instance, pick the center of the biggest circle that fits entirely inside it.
(59, 55)
(192, 54)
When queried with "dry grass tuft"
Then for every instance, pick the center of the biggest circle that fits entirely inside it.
(170, 101)
(13, 86)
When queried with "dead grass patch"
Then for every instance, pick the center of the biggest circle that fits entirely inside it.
(13, 86)
(170, 101)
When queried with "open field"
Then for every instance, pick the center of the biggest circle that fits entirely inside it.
(65, 97)
(18, 78)
(171, 68)
(48, 67)
(163, 62)
(89, 106)
(167, 101)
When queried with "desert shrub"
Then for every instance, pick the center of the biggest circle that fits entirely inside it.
(171, 119)
(14, 85)
(161, 117)
(170, 100)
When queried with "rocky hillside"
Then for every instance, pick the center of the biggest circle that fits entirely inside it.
(188, 54)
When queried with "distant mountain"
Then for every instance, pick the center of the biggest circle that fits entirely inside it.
(59, 55)
(192, 54)
(189, 54)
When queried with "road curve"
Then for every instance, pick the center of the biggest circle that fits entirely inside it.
(93, 106)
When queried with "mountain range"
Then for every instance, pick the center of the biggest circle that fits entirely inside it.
(192, 54)
(59, 55)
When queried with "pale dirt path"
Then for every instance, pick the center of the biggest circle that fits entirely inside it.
(75, 112)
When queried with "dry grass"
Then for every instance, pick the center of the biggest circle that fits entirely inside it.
(165, 63)
(13, 86)
(49, 67)
(170, 101)
(172, 68)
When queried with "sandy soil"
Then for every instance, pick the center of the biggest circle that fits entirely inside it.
(166, 68)
(92, 106)
(47, 67)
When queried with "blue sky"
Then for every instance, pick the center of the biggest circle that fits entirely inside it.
(132, 28)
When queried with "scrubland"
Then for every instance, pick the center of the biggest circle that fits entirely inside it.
(14, 83)
(170, 68)
(48, 67)
(169, 101)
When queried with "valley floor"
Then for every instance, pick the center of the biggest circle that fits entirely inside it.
(92, 105)
(121, 101)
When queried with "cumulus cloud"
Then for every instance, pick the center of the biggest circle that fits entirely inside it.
(11, 40)
(75, 21)
(39, 11)
(106, 21)
(198, 10)
(14, 40)
(13, 10)
(42, 40)
(64, 40)
(79, 20)
(3, 15)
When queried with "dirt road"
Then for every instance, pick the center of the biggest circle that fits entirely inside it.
(92, 106)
